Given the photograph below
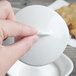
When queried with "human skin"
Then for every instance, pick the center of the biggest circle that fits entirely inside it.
(10, 28)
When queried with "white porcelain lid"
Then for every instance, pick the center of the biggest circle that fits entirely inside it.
(45, 20)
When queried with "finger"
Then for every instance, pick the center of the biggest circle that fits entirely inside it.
(13, 29)
(19, 48)
(6, 10)
(13, 52)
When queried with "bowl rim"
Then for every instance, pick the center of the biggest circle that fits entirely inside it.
(70, 64)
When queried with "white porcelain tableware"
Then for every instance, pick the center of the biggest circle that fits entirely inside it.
(57, 68)
(48, 48)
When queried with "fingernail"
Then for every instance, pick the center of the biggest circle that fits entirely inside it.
(34, 30)
(35, 38)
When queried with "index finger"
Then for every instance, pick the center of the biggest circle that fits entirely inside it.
(14, 29)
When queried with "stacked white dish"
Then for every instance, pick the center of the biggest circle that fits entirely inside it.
(62, 66)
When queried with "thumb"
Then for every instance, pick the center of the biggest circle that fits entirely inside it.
(9, 54)
(18, 49)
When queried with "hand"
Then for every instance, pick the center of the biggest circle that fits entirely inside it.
(10, 28)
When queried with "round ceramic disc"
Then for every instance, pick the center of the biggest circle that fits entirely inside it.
(48, 48)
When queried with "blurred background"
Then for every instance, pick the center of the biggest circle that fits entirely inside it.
(22, 3)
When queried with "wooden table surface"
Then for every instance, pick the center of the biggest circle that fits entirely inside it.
(71, 53)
